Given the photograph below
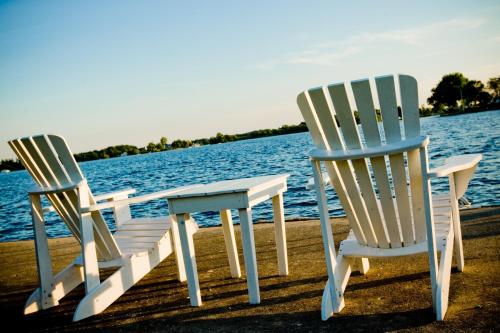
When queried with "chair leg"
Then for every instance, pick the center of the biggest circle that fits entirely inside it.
(362, 265)
(134, 269)
(63, 283)
(443, 281)
(455, 214)
(333, 294)
(44, 263)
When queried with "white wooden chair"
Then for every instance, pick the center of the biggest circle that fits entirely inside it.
(137, 246)
(382, 179)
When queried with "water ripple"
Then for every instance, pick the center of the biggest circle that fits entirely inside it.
(463, 134)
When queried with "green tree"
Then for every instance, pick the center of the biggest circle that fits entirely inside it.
(163, 142)
(494, 86)
(151, 147)
(472, 91)
(448, 91)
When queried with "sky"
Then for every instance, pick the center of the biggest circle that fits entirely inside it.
(104, 73)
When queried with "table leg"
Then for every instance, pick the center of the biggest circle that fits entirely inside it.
(232, 250)
(280, 233)
(249, 255)
(189, 260)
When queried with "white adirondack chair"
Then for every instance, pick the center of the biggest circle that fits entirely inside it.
(383, 184)
(137, 246)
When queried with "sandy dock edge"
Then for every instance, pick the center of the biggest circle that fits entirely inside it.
(393, 296)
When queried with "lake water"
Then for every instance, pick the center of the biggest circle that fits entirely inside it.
(469, 133)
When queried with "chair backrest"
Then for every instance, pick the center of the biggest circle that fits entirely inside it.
(50, 162)
(383, 211)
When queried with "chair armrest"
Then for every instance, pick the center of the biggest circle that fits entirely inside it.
(112, 195)
(137, 199)
(55, 189)
(352, 154)
(454, 164)
(310, 181)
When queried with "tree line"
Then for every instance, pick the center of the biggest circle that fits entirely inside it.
(452, 95)
(162, 145)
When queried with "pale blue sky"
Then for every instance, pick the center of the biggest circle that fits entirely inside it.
(103, 73)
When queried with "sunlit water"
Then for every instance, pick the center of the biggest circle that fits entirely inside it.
(470, 133)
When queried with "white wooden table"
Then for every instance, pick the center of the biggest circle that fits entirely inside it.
(240, 194)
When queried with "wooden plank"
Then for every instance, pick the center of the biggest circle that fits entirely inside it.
(280, 234)
(188, 255)
(417, 199)
(388, 105)
(230, 241)
(366, 109)
(409, 105)
(249, 255)
(40, 179)
(231, 186)
(352, 141)
(429, 223)
(66, 157)
(139, 233)
(320, 141)
(44, 263)
(350, 187)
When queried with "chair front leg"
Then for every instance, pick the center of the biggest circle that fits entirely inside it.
(457, 230)
(89, 253)
(333, 301)
(44, 264)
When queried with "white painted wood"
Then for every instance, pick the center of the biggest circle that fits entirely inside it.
(331, 299)
(239, 194)
(443, 279)
(89, 254)
(455, 164)
(316, 131)
(413, 220)
(230, 241)
(140, 244)
(372, 223)
(42, 254)
(120, 281)
(188, 254)
(457, 229)
(243, 185)
(388, 149)
(388, 105)
(409, 105)
(114, 195)
(280, 234)
(366, 109)
(249, 255)
(332, 135)
(429, 223)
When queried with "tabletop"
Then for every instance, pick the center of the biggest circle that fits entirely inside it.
(249, 185)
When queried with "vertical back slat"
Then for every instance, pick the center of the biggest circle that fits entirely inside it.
(320, 141)
(388, 104)
(332, 135)
(106, 244)
(409, 105)
(373, 229)
(39, 178)
(366, 109)
(66, 158)
(50, 173)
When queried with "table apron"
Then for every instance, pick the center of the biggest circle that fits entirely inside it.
(208, 203)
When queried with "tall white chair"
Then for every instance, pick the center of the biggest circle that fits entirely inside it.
(382, 178)
(137, 246)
